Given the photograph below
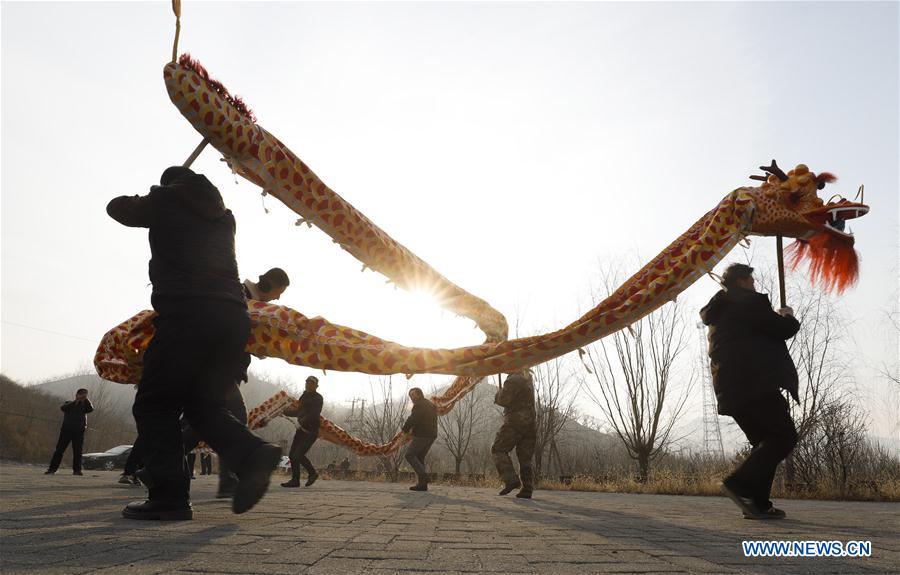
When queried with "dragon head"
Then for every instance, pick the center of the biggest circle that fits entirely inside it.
(789, 205)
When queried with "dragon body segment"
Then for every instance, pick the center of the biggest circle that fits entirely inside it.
(785, 204)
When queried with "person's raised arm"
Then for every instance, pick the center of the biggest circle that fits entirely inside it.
(131, 211)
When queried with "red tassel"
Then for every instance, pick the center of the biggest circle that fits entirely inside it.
(832, 261)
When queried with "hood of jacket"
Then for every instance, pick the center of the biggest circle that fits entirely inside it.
(196, 193)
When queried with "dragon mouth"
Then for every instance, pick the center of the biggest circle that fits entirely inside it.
(833, 220)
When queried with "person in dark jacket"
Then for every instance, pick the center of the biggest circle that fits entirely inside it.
(519, 432)
(307, 415)
(197, 352)
(422, 423)
(750, 366)
(72, 431)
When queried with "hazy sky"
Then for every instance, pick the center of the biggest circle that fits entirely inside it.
(513, 146)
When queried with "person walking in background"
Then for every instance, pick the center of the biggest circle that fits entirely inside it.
(750, 365)
(519, 432)
(307, 414)
(205, 461)
(72, 431)
(422, 423)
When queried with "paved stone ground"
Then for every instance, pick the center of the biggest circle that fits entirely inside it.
(63, 525)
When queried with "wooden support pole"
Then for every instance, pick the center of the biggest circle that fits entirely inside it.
(195, 154)
(779, 249)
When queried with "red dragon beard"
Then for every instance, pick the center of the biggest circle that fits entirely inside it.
(833, 263)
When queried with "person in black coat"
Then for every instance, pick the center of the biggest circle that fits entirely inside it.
(307, 415)
(750, 366)
(72, 431)
(422, 423)
(197, 353)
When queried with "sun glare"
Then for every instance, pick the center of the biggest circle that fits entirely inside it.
(416, 319)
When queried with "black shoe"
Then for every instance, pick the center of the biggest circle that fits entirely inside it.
(524, 493)
(311, 479)
(157, 510)
(77, 473)
(419, 487)
(746, 504)
(127, 479)
(508, 487)
(291, 483)
(254, 477)
(50, 472)
(770, 513)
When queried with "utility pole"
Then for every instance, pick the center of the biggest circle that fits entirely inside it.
(356, 422)
(712, 434)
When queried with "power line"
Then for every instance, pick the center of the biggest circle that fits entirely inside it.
(92, 341)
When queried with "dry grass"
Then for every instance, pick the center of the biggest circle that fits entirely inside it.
(670, 482)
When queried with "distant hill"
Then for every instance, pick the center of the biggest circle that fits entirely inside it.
(114, 401)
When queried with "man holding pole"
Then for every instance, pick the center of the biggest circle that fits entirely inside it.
(197, 353)
(750, 366)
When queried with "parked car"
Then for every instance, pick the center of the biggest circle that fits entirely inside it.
(112, 459)
(285, 463)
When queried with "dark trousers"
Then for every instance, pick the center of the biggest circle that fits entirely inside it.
(521, 436)
(135, 459)
(415, 456)
(66, 436)
(770, 430)
(234, 402)
(190, 367)
(206, 464)
(302, 442)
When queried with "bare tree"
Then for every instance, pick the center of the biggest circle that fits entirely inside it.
(636, 384)
(554, 407)
(385, 418)
(457, 426)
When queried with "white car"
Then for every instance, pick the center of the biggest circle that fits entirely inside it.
(285, 463)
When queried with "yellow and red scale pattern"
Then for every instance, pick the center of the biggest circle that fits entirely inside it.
(277, 331)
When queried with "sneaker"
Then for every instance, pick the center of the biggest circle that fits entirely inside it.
(143, 476)
(770, 513)
(510, 486)
(291, 483)
(746, 504)
(254, 477)
(524, 493)
(126, 480)
(50, 472)
(419, 487)
(158, 511)
(311, 479)
(77, 473)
